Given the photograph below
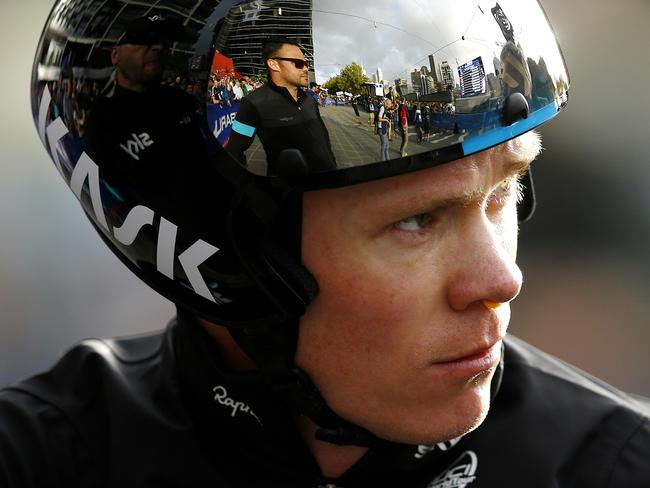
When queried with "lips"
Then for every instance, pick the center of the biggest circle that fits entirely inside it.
(472, 362)
(472, 354)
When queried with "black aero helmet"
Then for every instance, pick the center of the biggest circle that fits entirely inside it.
(160, 121)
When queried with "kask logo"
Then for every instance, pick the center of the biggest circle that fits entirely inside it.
(459, 474)
(86, 175)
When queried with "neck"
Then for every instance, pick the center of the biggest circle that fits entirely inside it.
(293, 89)
(130, 84)
(234, 356)
(333, 460)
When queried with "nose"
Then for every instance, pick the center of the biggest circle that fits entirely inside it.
(485, 271)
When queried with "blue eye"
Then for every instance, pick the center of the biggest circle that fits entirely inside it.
(414, 223)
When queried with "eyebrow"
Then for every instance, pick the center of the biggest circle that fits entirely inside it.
(522, 152)
(519, 165)
(516, 160)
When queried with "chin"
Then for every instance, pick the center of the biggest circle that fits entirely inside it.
(151, 80)
(442, 420)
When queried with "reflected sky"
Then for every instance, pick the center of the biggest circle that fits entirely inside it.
(399, 36)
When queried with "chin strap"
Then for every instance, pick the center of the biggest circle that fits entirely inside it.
(332, 428)
(264, 343)
(526, 207)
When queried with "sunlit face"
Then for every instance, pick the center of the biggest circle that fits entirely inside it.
(285, 73)
(137, 64)
(403, 338)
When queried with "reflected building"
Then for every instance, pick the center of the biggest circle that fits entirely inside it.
(426, 84)
(86, 22)
(75, 48)
(82, 34)
(447, 75)
(435, 70)
(241, 33)
(495, 85)
(429, 84)
(496, 62)
(416, 80)
(472, 78)
(401, 86)
(428, 81)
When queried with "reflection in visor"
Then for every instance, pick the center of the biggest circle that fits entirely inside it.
(389, 79)
(380, 81)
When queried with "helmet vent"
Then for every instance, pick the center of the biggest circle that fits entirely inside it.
(515, 108)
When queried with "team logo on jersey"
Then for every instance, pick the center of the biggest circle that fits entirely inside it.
(137, 143)
(443, 446)
(221, 397)
(459, 474)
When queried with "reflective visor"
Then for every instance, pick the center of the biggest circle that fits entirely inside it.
(388, 86)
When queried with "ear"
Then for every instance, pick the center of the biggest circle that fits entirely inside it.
(115, 55)
(273, 65)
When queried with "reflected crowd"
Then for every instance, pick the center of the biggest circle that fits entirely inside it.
(224, 90)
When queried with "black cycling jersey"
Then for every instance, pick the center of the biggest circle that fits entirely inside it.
(271, 113)
(156, 142)
(162, 410)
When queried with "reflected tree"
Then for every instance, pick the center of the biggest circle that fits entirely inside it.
(350, 79)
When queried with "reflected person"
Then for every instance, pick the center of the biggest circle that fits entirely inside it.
(281, 113)
(383, 119)
(404, 126)
(144, 131)
(515, 72)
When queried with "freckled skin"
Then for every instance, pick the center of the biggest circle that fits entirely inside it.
(396, 297)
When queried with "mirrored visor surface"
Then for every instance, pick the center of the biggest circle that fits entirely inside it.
(329, 86)
(382, 80)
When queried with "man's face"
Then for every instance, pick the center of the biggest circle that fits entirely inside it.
(285, 71)
(403, 338)
(138, 64)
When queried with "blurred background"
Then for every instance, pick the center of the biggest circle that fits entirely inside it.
(585, 256)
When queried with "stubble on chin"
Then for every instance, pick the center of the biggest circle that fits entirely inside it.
(448, 420)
